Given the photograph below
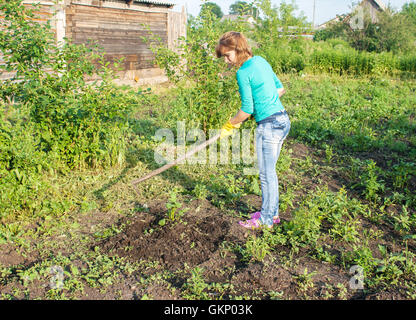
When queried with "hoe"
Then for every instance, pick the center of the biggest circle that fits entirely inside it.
(173, 163)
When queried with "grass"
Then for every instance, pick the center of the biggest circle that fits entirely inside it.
(347, 179)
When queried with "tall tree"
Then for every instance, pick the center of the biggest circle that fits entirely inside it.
(211, 7)
(242, 7)
(395, 32)
(409, 10)
(287, 15)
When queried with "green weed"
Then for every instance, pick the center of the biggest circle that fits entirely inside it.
(195, 287)
(173, 205)
(305, 281)
(256, 248)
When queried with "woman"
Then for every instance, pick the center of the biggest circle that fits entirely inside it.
(260, 92)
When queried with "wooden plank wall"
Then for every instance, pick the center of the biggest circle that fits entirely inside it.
(117, 28)
(176, 27)
(369, 6)
(117, 31)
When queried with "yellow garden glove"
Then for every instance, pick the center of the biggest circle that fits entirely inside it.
(228, 128)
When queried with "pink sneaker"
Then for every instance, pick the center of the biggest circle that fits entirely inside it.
(253, 223)
(256, 215)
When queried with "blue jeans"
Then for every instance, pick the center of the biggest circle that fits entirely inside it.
(269, 140)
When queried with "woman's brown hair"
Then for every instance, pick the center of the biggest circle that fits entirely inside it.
(233, 40)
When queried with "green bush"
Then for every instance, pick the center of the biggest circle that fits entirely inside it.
(52, 120)
(208, 94)
(407, 63)
(338, 43)
(82, 123)
(22, 165)
(342, 61)
(283, 59)
(286, 56)
(386, 63)
(332, 31)
(393, 32)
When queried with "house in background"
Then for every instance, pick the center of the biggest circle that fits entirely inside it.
(235, 17)
(338, 18)
(372, 7)
(117, 26)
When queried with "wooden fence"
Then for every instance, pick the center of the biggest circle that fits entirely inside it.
(176, 27)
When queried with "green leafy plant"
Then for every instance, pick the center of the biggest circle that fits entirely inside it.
(403, 222)
(256, 248)
(305, 226)
(82, 124)
(371, 182)
(173, 205)
(211, 99)
(200, 191)
(195, 286)
(305, 281)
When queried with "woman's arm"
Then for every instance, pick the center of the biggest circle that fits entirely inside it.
(281, 91)
(239, 117)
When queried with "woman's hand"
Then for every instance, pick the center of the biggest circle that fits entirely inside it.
(234, 123)
(227, 129)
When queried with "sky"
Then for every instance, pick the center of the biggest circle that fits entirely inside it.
(325, 9)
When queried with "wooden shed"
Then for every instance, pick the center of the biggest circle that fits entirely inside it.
(117, 26)
(373, 7)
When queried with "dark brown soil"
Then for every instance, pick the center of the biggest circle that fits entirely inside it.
(197, 240)
(190, 239)
(207, 238)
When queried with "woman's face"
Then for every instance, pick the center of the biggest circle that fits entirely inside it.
(230, 58)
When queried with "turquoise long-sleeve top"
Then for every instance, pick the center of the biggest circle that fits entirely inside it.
(258, 84)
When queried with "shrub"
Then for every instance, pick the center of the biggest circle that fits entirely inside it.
(283, 59)
(52, 120)
(211, 96)
(342, 61)
(82, 123)
(393, 32)
(407, 63)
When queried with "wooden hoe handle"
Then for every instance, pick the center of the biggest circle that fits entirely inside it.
(169, 165)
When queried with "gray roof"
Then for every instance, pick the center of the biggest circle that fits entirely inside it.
(157, 2)
(234, 17)
(380, 4)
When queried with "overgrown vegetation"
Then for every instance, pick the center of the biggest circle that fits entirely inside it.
(57, 122)
(69, 148)
(389, 31)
